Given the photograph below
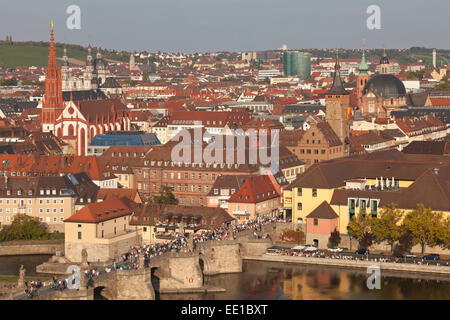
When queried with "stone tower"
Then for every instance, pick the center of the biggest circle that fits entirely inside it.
(363, 77)
(434, 58)
(53, 101)
(132, 63)
(337, 101)
(384, 63)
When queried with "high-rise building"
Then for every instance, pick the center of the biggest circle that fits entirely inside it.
(304, 65)
(297, 64)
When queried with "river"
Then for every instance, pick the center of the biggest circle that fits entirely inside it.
(277, 281)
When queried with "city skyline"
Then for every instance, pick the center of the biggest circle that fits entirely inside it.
(212, 26)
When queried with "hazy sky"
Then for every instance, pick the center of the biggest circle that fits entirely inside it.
(231, 25)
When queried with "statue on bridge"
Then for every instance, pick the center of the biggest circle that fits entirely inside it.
(21, 281)
(84, 258)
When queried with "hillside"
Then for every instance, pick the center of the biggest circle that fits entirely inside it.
(26, 54)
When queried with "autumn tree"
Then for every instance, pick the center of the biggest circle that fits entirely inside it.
(386, 227)
(425, 226)
(405, 243)
(335, 238)
(360, 228)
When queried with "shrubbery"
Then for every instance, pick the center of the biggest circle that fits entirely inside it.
(27, 228)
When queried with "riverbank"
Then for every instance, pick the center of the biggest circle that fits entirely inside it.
(31, 247)
(403, 267)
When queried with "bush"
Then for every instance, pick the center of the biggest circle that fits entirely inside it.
(27, 228)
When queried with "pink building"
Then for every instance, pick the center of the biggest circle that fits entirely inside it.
(320, 223)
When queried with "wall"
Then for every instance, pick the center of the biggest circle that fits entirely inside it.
(20, 249)
(180, 271)
(220, 257)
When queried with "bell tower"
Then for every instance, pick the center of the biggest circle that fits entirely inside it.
(53, 102)
(363, 77)
(337, 101)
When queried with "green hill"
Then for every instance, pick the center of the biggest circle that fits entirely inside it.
(26, 54)
(35, 54)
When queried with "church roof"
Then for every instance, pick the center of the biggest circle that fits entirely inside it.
(385, 85)
(337, 87)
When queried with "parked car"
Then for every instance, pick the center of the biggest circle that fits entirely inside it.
(309, 248)
(298, 248)
(433, 256)
(274, 250)
(362, 251)
(336, 250)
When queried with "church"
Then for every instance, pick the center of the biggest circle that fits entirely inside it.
(96, 76)
(77, 122)
(379, 95)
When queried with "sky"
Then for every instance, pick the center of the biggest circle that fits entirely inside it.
(230, 25)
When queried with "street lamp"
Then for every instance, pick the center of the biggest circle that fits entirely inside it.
(350, 237)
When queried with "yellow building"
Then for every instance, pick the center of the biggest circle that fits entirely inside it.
(365, 184)
(103, 228)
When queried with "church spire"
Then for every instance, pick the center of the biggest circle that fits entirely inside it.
(363, 66)
(337, 87)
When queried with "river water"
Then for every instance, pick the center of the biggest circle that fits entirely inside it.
(277, 281)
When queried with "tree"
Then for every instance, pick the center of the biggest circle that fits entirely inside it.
(425, 226)
(443, 84)
(405, 243)
(335, 238)
(366, 240)
(165, 197)
(360, 229)
(386, 226)
(24, 227)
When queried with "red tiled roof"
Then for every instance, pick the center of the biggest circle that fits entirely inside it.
(255, 189)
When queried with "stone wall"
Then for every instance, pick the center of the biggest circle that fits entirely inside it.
(220, 257)
(99, 252)
(179, 271)
(29, 249)
(133, 285)
(254, 247)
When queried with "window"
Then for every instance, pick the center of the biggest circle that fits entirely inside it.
(299, 206)
(351, 208)
(79, 235)
(299, 192)
(314, 192)
(316, 221)
(374, 208)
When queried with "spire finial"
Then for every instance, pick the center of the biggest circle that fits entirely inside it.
(51, 25)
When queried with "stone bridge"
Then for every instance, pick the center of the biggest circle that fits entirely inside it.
(175, 272)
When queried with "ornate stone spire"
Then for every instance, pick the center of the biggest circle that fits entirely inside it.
(337, 87)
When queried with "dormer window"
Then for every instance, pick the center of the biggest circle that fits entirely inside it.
(8, 192)
(54, 191)
(42, 191)
(19, 192)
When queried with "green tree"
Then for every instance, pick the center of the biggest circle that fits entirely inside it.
(165, 197)
(386, 227)
(443, 84)
(335, 238)
(360, 228)
(24, 227)
(425, 226)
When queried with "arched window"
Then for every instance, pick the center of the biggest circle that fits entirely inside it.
(70, 131)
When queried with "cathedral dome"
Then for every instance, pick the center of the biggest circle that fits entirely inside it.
(385, 85)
